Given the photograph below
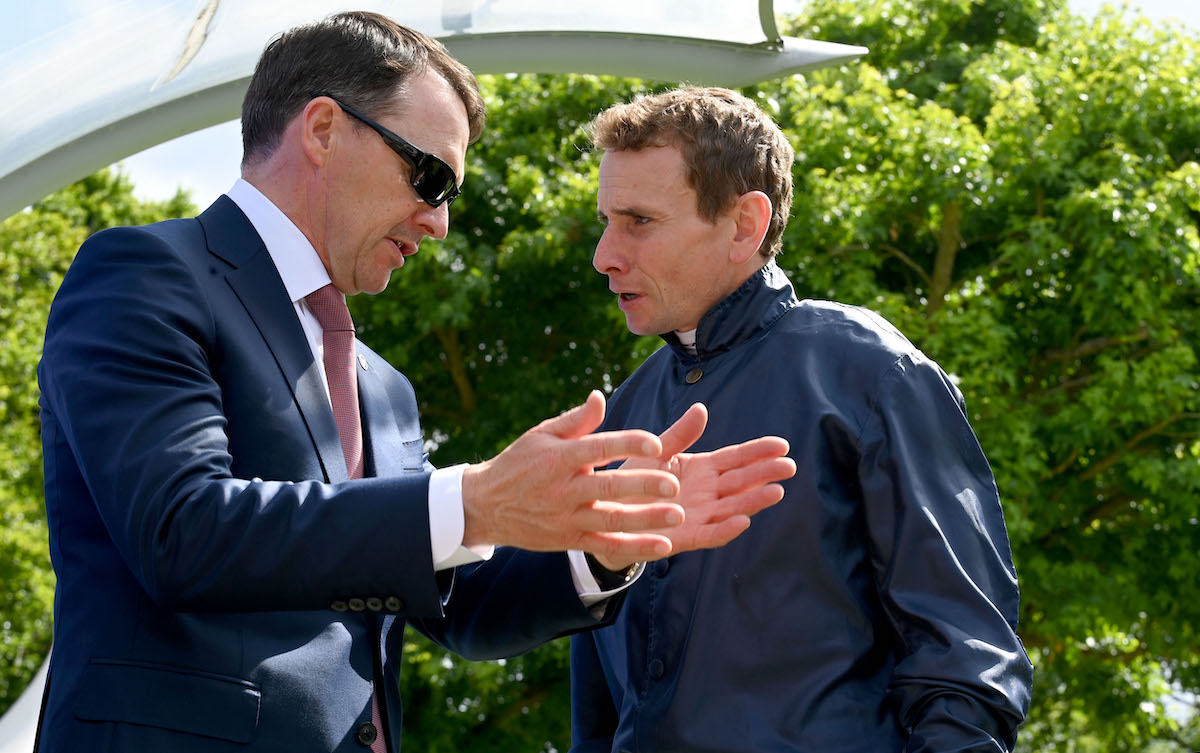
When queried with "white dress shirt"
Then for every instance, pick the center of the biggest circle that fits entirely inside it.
(303, 272)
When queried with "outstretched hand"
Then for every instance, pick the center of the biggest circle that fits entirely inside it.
(719, 490)
(542, 492)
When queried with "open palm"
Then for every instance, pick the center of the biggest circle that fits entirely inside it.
(719, 490)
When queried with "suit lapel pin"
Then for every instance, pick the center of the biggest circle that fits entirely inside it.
(362, 361)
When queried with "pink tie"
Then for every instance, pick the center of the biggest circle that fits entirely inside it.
(328, 305)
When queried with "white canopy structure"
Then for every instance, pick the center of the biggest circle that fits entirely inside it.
(87, 84)
(84, 91)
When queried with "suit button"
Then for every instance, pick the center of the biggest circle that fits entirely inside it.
(366, 733)
(655, 669)
(694, 375)
(663, 567)
(375, 604)
(394, 604)
(357, 605)
(339, 606)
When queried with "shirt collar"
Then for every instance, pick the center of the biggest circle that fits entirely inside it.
(299, 266)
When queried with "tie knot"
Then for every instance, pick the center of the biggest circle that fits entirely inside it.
(328, 305)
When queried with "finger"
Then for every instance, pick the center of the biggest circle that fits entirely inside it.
(604, 447)
(746, 503)
(683, 433)
(627, 547)
(622, 483)
(717, 534)
(762, 472)
(738, 455)
(607, 517)
(579, 421)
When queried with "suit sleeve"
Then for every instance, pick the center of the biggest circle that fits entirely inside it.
(511, 604)
(941, 555)
(134, 420)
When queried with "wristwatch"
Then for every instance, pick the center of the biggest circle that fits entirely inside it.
(609, 579)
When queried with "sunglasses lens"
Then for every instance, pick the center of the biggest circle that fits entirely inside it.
(435, 182)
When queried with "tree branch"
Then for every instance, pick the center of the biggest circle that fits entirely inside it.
(1097, 344)
(949, 242)
(1070, 384)
(1111, 505)
(1063, 466)
(908, 261)
(448, 337)
(1137, 439)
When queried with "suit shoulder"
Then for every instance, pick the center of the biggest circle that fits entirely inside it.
(151, 269)
(181, 239)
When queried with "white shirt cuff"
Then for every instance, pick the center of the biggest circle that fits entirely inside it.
(446, 521)
(585, 583)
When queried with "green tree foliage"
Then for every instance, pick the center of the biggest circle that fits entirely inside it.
(36, 246)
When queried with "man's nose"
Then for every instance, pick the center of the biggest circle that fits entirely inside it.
(608, 257)
(433, 221)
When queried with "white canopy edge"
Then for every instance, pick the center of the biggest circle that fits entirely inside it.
(152, 120)
(18, 727)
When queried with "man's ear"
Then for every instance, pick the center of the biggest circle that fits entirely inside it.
(752, 215)
(316, 124)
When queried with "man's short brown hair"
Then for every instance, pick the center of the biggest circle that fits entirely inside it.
(730, 147)
(362, 59)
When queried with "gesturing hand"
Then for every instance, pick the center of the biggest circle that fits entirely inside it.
(542, 492)
(719, 490)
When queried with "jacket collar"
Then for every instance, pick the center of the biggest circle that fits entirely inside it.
(742, 315)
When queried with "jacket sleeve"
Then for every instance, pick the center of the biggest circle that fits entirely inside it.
(593, 716)
(510, 604)
(943, 567)
(135, 429)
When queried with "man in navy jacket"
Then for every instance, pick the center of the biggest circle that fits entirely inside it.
(236, 564)
(875, 608)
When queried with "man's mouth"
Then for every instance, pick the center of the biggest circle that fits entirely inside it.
(625, 300)
(403, 248)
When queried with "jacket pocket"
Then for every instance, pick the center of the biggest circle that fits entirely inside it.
(177, 699)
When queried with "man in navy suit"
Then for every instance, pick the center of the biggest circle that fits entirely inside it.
(235, 565)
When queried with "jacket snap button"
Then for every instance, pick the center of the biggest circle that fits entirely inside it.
(366, 733)
(694, 375)
(656, 669)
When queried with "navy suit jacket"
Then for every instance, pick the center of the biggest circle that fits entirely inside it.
(222, 586)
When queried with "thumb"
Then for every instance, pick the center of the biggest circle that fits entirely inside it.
(683, 433)
(580, 420)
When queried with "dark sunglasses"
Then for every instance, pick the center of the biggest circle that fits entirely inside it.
(433, 180)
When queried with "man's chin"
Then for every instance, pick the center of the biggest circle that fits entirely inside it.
(375, 287)
(639, 328)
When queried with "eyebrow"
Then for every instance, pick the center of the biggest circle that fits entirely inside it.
(626, 212)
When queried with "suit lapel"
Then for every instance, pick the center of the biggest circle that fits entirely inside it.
(383, 445)
(256, 283)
